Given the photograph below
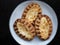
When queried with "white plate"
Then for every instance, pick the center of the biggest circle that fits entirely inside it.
(46, 9)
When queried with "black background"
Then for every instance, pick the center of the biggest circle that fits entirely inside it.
(6, 8)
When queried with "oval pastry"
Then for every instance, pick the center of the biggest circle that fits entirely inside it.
(31, 11)
(24, 29)
(43, 25)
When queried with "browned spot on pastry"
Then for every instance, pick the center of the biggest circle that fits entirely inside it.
(37, 25)
(15, 28)
(20, 34)
(29, 26)
(38, 22)
(27, 8)
(17, 31)
(22, 21)
(38, 32)
(25, 11)
(14, 25)
(24, 14)
(37, 28)
(23, 37)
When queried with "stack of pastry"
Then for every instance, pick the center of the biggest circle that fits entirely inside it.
(33, 23)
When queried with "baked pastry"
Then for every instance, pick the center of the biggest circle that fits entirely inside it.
(31, 11)
(43, 25)
(24, 29)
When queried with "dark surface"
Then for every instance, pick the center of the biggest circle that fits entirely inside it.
(7, 7)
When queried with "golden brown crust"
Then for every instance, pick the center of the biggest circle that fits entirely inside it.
(24, 29)
(31, 11)
(40, 30)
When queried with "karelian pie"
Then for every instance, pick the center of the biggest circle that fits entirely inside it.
(31, 11)
(43, 25)
(24, 29)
